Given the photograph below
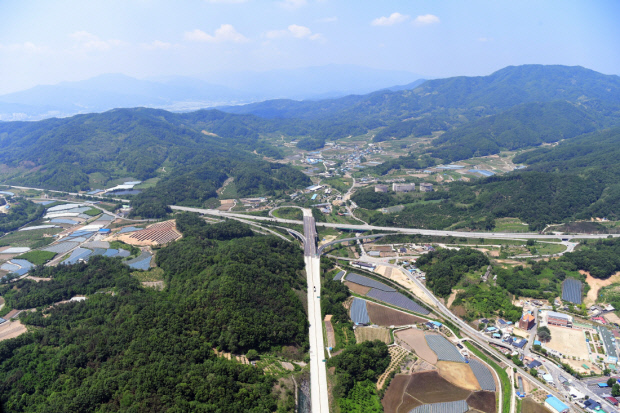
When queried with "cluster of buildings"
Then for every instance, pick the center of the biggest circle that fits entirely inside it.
(559, 319)
(404, 187)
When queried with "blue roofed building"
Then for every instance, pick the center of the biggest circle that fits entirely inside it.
(555, 405)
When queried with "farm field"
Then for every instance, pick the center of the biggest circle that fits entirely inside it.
(397, 357)
(414, 340)
(430, 387)
(356, 288)
(568, 341)
(33, 239)
(530, 406)
(372, 333)
(385, 316)
(483, 401)
(459, 374)
(395, 399)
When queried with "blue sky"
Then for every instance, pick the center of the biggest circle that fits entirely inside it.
(45, 42)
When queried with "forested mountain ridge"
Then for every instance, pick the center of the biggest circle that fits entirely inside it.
(529, 124)
(60, 153)
(476, 96)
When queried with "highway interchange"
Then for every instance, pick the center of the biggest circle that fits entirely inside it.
(318, 375)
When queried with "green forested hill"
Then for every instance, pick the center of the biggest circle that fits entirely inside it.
(538, 198)
(476, 96)
(145, 350)
(529, 124)
(576, 179)
(594, 156)
(61, 153)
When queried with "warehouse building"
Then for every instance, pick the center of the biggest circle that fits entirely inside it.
(381, 188)
(403, 187)
(559, 319)
(555, 405)
(424, 187)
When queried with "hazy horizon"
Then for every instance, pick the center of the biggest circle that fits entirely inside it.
(48, 43)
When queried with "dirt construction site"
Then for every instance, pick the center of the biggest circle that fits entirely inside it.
(397, 276)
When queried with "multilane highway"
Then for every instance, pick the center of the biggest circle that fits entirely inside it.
(362, 228)
(318, 373)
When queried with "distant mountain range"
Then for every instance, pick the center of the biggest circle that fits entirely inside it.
(177, 93)
(478, 95)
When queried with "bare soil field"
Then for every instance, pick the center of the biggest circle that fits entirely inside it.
(329, 329)
(430, 387)
(459, 374)
(408, 404)
(596, 284)
(483, 401)
(372, 333)
(568, 341)
(385, 316)
(11, 329)
(414, 340)
(530, 406)
(356, 288)
(394, 394)
(452, 297)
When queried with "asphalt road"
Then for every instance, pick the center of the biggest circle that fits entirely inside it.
(361, 228)
(338, 241)
(318, 373)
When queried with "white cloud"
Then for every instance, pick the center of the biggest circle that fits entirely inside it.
(485, 39)
(294, 30)
(157, 45)
(88, 41)
(328, 20)
(426, 20)
(392, 19)
(225, 33)
(226, 1)
(293, 4)
(299, 31)
(21, 47)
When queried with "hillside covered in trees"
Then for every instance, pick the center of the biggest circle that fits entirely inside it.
(147, 350)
